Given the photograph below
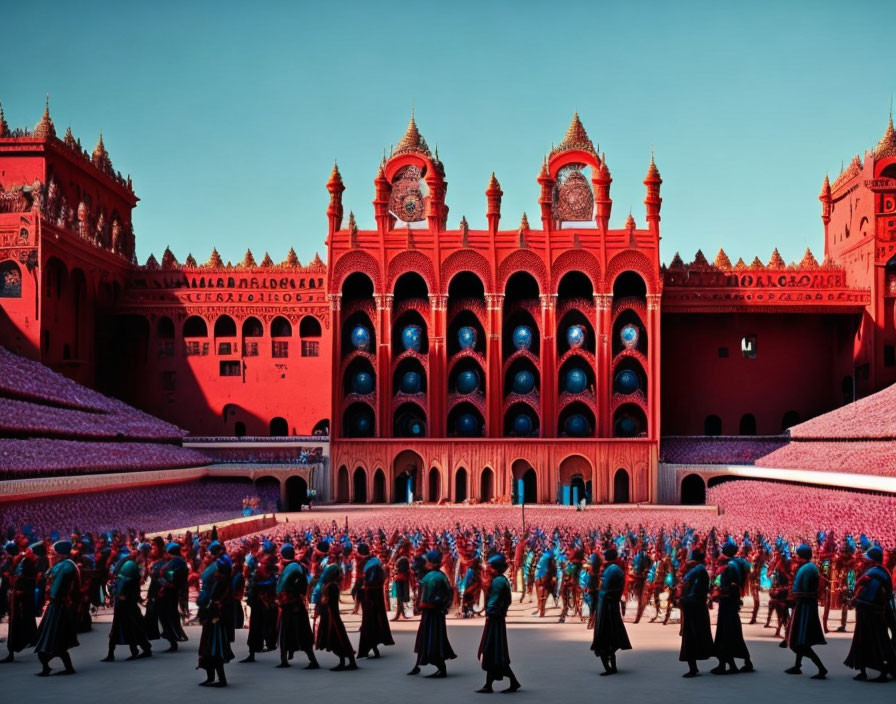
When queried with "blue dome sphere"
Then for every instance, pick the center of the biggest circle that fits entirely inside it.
(466, 336)
(416, 428)
(467, 382)
(410, 383)
(626, 382)
(467, 424)
(412, 337)
(627, 427)
(362, 424)
(575, 336)
(522, 337)
(522, 425)
(362, 383)
(629, 336)
(576, 380)
(360, 337)
(523, 382)
(577, 425)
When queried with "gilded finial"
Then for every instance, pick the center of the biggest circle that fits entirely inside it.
(886, 147)
(576, 138)
(45, 127)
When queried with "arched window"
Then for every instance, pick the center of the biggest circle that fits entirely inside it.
(10, 280)
(712, 425)
(239, 429)
(281, 331)
(748, 424)
(225, 327)
(460, 485)
(620, 487)
(309, 326)
(280, 327)
(693, 490)
(252, 327)
(279, 427)
(790, 419)
(194, 326)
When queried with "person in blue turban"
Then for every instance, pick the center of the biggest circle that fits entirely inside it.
(331, 633)
(729, 641)
(215, 604)
(609, 630)
(871, 644)
(696, 633)
(375, 630)
(494, 651)
(22, 608)
(434, 599)
(261, 599)
(294, 625)
(57, 634)
(805, 630)
(127, 621)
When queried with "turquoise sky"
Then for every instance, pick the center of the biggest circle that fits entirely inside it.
(229, 115)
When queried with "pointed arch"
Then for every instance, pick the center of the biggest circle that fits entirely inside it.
(415, 262)
(354, 262)
(523, 260)
(576, 260)
(637, 262)
(466, 260)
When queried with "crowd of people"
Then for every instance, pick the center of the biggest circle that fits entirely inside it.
(291, 581)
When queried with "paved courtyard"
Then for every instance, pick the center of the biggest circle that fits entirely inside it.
(552, 660)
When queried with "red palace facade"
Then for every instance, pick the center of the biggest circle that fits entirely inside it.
(446, 363)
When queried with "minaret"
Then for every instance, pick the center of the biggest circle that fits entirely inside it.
(493, 193)
(45, 128)
(381, 200)
(334, 211)
(602, 194)
(546, 201)
(826, 208)
(653, 200)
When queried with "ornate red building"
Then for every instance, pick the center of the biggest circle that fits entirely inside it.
(448, 363)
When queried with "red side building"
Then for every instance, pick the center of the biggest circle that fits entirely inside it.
(541, 363)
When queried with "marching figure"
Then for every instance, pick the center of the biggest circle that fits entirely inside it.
(57, 633)
(871, 645)
(804, 629)
(375, 629)
(729, 643)
(609, 630)
(216, 617)
(432, 646)
(22, 621)
(260, 599)
(696, 634)
(493, 648)
(127, 621)
(331, 633)
(295, 626)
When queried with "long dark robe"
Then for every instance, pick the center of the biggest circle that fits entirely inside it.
(871, 645)
(432, 645)
(729, 641)
(696, 633)
(804, 629)
(22, 618)
(214, 610)
(609, 630)
(172, 599)
(294, 628)
(127, 621)
(375, 628)
(493, 647)
(57, 632)
(151, 615)
(261, 600)
(331, 633)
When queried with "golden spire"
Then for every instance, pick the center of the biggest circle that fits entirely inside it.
(267, 262)
(100, 156)
(722, 261)
(494, 188)
(825, 189)
(412, 141)
(214, 260)
(653, 173)
(886, 147)
(777, 261)
(524, 223)
(292, 259)
(809, 261)
(335, 176)
(317, 262)
(576, 138)
(45, 128)
(169, 261)
(248, 260)
(190, 261)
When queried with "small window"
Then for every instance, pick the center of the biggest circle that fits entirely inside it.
(250, 349)
(310, 348)
(230, 368)
(748, 346)
(191, 348)
(169, 381)
(279, 349)
(889, 356)
(167, 348)
(723, 353)
(225, 348)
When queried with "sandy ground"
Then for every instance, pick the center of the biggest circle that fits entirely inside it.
(552, 660)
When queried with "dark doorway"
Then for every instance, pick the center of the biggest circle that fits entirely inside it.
(342, 485)
(296, 493)
(748, 424)
(434, 486)
(712, 425)
(359, 486)
(404, 491)
(693, 490)
(239, 429)
(530, 486)
(486, 485)
(379, 487)
(578, 490)
(460, 485)
(620, 487)
(790, 419)
(279, 427)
